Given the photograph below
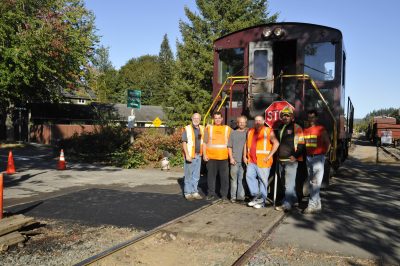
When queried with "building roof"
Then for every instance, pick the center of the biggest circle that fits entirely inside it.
(145, 113)
(62, 111)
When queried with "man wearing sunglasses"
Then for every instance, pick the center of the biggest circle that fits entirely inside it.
(290, 151)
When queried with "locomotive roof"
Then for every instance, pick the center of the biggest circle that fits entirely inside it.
(280, 23)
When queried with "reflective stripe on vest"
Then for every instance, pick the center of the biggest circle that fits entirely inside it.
(217, 145)
(314, 143)
(191, 140)
(298, 137)
(261, 149)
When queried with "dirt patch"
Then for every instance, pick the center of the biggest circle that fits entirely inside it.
(268, 255)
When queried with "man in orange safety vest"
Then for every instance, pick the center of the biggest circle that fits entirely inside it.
(258, 153)
(317, 146)
(215, 153)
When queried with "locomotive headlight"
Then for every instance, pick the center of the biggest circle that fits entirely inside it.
(278, 32)
(267, 32)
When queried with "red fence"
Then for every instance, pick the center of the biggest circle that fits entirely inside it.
(51, 134)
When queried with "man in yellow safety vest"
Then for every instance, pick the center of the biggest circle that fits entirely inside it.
(258, 153)
(192, 144)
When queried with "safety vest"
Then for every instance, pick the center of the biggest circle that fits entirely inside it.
(298, 137)
(263, 146)
(313, 139)
(191, 141)
(217, 144)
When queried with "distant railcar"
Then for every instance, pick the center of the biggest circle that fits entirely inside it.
(304, 64)
(384, 127)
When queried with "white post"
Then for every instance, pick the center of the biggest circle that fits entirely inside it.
(132, 138)
(276, 182)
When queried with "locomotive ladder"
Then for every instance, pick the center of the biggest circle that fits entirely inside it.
(232, 80)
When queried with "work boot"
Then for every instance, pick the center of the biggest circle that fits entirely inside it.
(284, 207)
(210, 197)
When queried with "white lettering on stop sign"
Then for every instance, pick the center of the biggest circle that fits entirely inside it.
(273, 115)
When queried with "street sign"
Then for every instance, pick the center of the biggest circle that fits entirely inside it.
(133, 100)
(157, 122)
(272, 113)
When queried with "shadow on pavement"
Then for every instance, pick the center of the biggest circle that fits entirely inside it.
(363, 206)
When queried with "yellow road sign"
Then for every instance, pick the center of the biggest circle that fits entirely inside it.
(157, 122)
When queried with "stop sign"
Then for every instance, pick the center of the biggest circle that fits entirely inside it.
(272, 113)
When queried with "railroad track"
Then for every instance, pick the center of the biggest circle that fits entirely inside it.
(218, 233)
(393, 152)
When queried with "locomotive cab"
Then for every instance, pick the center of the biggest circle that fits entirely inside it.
(301, 63)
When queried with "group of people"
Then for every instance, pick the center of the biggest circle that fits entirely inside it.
(249, 153)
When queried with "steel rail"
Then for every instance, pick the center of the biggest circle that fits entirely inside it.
(242, 260)
(396, 156)
(138, 238)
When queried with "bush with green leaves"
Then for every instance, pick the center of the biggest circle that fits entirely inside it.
(155, 145)
(97, 146)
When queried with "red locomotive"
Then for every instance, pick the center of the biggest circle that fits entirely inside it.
(304, 64)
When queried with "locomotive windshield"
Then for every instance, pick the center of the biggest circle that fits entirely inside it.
(319, 61)
(230, 62)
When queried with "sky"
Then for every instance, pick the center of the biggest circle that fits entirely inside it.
(132, 28)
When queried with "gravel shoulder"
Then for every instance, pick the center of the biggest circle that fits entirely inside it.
(55, 242)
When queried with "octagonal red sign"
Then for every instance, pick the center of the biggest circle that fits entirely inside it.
(272, 113)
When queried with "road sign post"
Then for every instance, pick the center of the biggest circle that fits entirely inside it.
(273, 113)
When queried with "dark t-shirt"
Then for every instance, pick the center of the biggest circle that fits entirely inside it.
(286, 139)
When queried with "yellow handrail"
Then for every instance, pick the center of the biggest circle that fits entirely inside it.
(307, 77)
(232, 78)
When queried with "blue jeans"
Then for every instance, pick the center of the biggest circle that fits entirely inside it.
(315, 167)
(236, 173)
(257, 180)
(288, 171)
(192, 175)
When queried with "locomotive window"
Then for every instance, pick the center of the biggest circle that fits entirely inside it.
(319, 61)
(260, 63)
(230, 62)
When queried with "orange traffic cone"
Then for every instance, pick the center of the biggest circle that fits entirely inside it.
(10, 164)
(61, 161)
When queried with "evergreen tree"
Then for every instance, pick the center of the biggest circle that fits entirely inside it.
(143, 74)
(195, 54)
(166, 61)
(102, 77)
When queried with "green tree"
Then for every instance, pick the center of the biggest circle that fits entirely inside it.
(101, 59)
(45, 46)
(102, 76)
(140, 73)
(195, 54)
(167, 71)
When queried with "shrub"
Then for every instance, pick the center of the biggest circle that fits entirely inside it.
(155, 145)
(98, 145)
